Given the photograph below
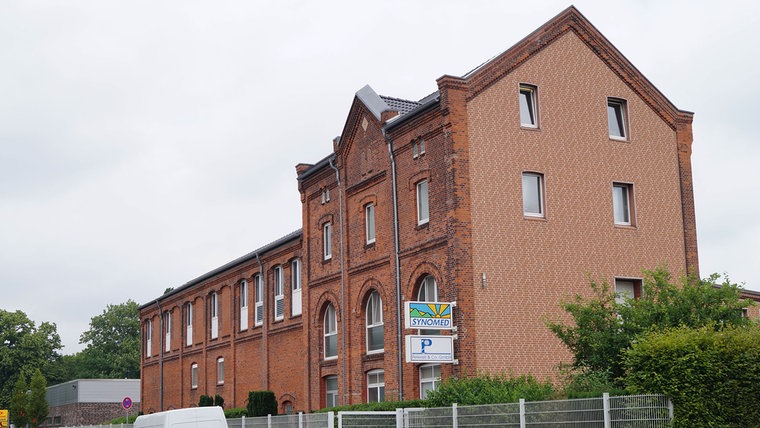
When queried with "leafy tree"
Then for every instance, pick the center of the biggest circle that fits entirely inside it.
(19, 401)
(37, 406)
(24, 347)
(602, 328)
(113, 344)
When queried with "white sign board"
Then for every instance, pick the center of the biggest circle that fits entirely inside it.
(429, 315)
(429, 349)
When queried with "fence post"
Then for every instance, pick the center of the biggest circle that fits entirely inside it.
(269, 421)
(606, 406)
(242, 422)
(300, 419)
(670, 408)
(340, 420)
(454, 416)
(399, 418)
(331, 419)
(522, 413)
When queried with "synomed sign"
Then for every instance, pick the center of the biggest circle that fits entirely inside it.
(429, 315)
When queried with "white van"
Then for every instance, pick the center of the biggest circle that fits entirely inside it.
(194, 417)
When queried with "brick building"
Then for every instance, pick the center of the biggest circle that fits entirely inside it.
(90, 401)
(501, 191)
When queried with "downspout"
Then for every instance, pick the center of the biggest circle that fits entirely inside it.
(263, 342)
(342, 281)
(160, 357)
(398, 268)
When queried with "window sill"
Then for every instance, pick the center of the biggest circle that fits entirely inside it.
(327, 261)
(425, 225)
(374, 356)
(621, 139)
(369, 245)
(625, 226)
(529, 128)
(534, 217)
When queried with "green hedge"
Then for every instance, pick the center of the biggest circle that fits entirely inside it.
(261, 403)
(712, 377)
(485, 389)
(237, 412)
(381, 406)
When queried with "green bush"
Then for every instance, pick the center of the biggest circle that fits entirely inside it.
(372, 407)
(219, 401)
(205, 401)
(485, 389)
(122, 420)
(234, 413)
(712, 377)
(587, 383)
(261, 403)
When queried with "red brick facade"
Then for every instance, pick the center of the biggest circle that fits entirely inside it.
(506, 270)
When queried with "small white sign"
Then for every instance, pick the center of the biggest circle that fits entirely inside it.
(427, 349)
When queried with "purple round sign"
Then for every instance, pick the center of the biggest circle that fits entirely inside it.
(126, 403)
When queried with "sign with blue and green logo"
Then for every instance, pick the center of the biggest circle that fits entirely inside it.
(429, 315)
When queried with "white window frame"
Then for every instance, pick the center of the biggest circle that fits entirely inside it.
(258, 291)
(529, 197)
(374, 382)
(327, 240)
(331, 395)
(625, 288)
(429, 383)
(330, 331)
(528, 105)
(369, 222)
(427, 285)
(279, 293)
(623, 204)
(148, 338)
(243, 305)
(189, 323)
(194, 376)
(220, 371)
(214, 315)
(617, 113)
(423, 202)
(295, 288)
(374, 321)
(167, 331)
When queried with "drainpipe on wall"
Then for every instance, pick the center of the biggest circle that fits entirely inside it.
(398, 268)
(263, 347)
(160, 357)
(342, 281)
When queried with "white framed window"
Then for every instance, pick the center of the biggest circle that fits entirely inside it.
(331, 391)
(189, 323)
(418, 148)
(194, 376)
(375, 386)
(528, 117)
(622, 198)
(258, 296)
(325, 195)
(331, 333)
(430, 378)
(375, 328)
(295, 287)
(327, 240)
(243, 305)
(428, 292)
(617, 118)
(369, 222)
(214, 303)
(423, 211)
(220, 371)
(279, 294)
(148, 338)
(626, 288)
(533, 194)
(167, 331)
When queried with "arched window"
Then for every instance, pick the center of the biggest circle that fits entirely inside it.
(279, 294)
(214, 303)
(295, 286)
(428, 292)
(375, 328)
(331, 332)
(258, 299)
(243, 305)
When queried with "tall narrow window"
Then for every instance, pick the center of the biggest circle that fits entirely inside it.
(430, 377)
(327, 240)
(214, 303)
(219, 371)
(369, 221)
(279, 294)
(621, 203)
(423, 213)
(167, 331)
(148, 338)
(376, 386)
(331, 333)
(375, 329)
(258, 291)
(617, 118)
(528, 106)
(533, 195)
(194, 376)
(189, 323)
(428, 292)
(331, 391)
(243, 305)
(295, 287)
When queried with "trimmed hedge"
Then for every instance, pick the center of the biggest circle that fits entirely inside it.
(234, 413)
(485, 389)
(375, 407)
(261, 403)
(712, 377)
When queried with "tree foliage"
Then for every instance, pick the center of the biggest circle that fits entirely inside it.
(37, 406)
(24, 347)
(113, 344)
(603, 329)
(18, 403)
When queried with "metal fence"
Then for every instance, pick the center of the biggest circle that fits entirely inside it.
(630, 411)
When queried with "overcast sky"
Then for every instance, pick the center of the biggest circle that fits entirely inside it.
(144, 143)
